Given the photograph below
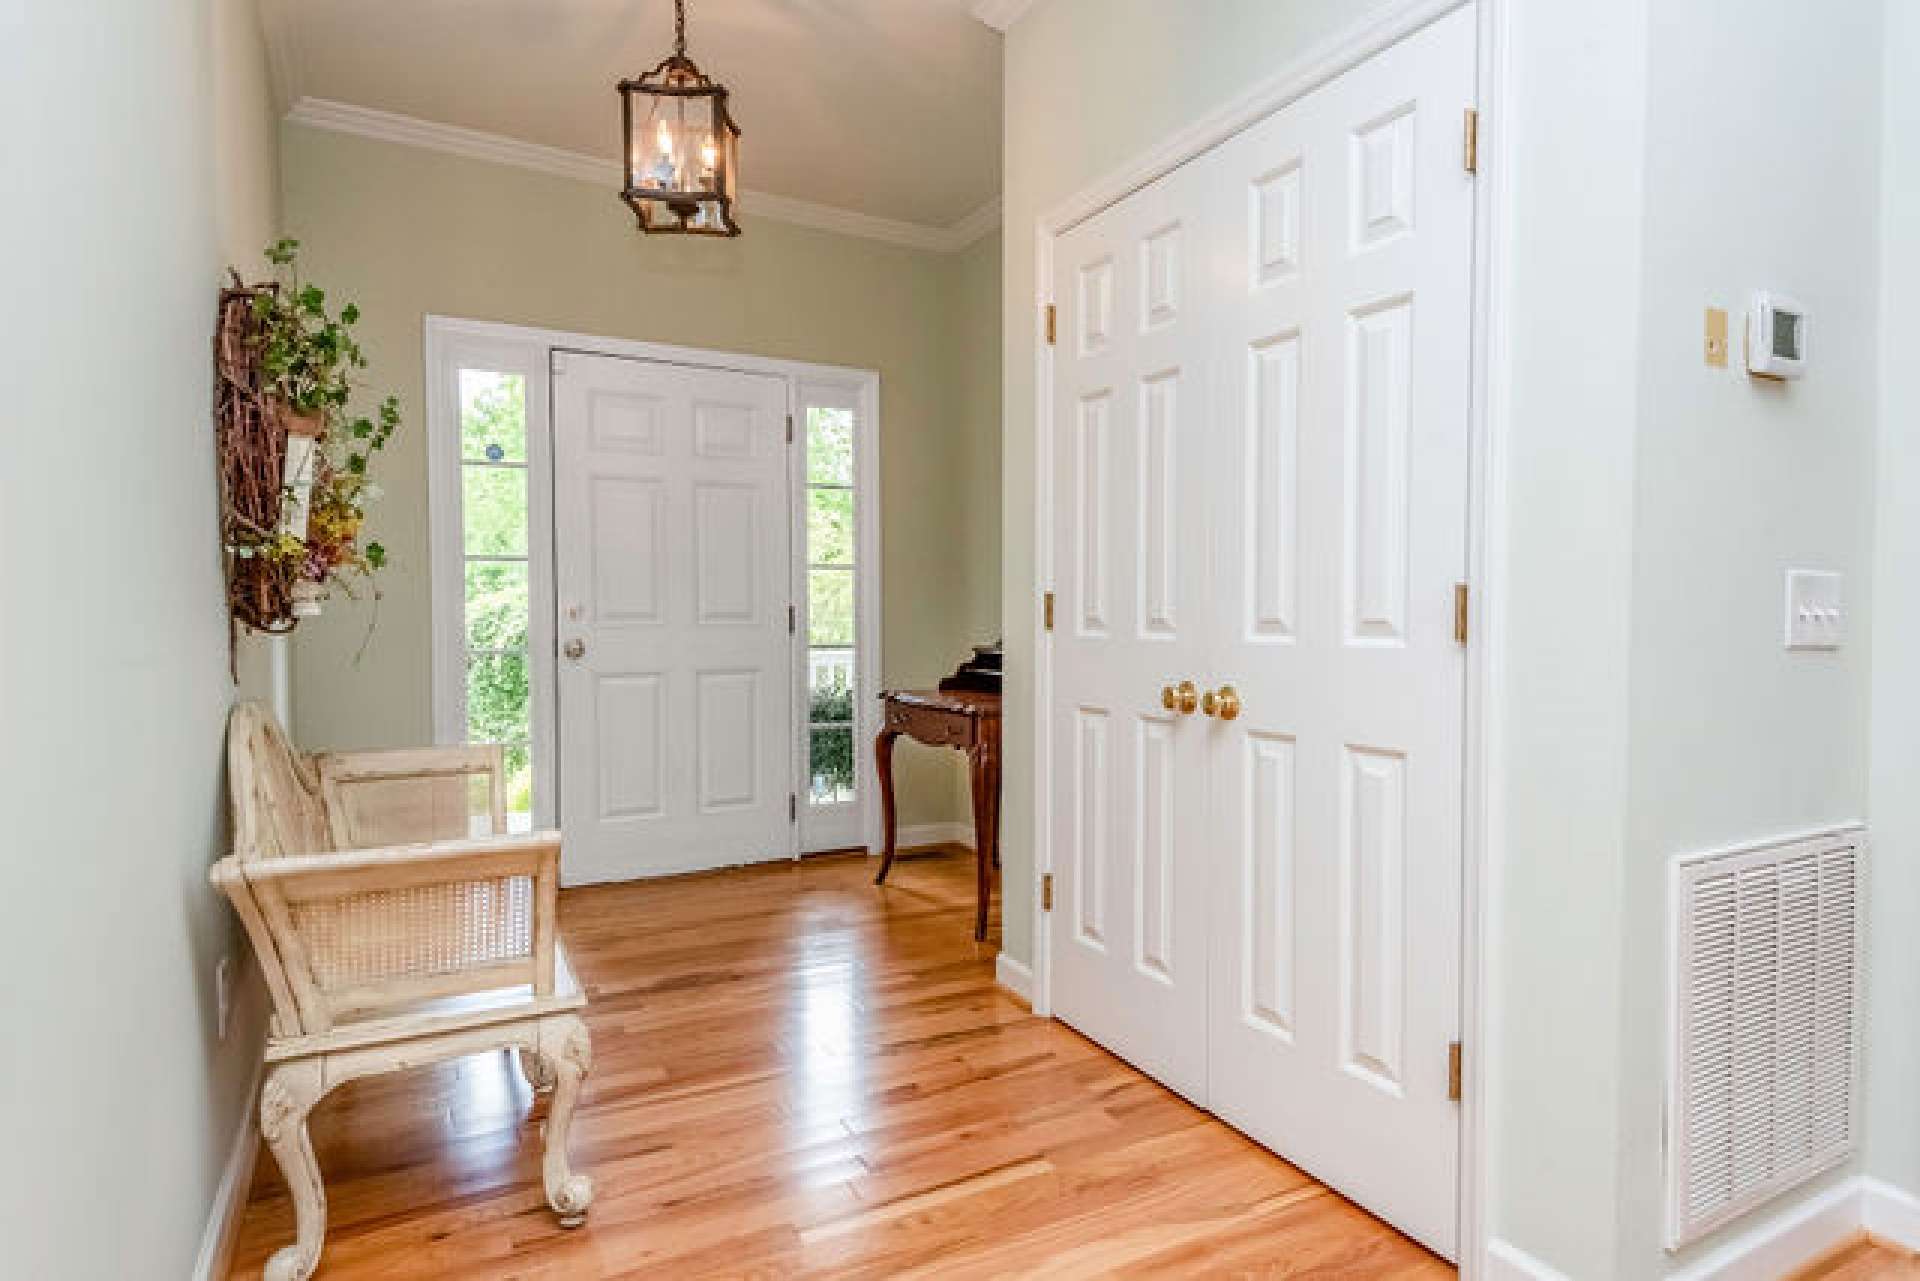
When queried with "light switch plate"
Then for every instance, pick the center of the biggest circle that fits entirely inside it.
(1816, 617)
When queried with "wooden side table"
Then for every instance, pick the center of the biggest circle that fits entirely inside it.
(964, 719)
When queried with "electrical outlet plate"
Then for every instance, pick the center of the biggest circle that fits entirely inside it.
(223, 994)
(1816, 616)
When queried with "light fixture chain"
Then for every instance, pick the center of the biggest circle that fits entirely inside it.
(680, 28)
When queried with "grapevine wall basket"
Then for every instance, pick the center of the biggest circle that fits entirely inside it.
(294, 483)
(252, 431)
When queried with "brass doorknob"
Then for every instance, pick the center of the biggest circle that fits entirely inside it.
(574, 648)
(1223, 702)
(1182, 698)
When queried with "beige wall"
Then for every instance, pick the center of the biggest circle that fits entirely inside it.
(407, 232)
(113, 638)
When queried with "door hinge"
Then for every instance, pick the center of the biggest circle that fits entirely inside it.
(1053, 321)
(556, 363)
(793, 807)
(1453, 1071)
(1460, 599)
(1046, 611)
(793, 619)
(789, 429)
(1470, 142)
(1046, 892)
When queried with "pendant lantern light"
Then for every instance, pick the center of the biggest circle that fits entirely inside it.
(681, 148)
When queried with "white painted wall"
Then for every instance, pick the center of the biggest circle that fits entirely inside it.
(1575, 163)
(1893, 1067)
(1762, 170)
(122, 1100)
(1650, 507)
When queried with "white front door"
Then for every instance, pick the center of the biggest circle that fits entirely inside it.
(672, 526)
(1261, 384)
(1338, 541)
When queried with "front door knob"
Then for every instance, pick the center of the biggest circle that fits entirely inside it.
(575, 648)
(1182, 698)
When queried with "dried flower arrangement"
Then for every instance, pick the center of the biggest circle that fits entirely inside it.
(293, 460)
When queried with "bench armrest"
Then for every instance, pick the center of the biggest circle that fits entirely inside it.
(324, 924)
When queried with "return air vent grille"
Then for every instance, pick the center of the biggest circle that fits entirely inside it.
(1766, 1031)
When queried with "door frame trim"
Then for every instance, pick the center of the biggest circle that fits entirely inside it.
(1482, 781)
(529, 349)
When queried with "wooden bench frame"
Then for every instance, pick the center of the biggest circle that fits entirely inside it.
(342, 1007)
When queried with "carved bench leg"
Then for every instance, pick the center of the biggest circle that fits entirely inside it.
(568, 1055)
(288, 1095)
(539, 1076)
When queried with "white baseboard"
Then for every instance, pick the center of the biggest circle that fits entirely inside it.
(1508, 1262)
(1015, 977)
(1778, 1246)
(1782, 1243)
(919, 834)
(230, 1195)
(1890, 1213)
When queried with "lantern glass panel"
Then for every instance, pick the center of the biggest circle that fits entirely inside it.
(673, 148)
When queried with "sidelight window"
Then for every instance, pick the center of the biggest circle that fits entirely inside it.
(832, 651)
(493, 517)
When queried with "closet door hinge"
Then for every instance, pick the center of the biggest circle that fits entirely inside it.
(1453, 1071)
(1046, 611)
(556, 362)
(1053, 320)
(793, 807)
(1046, 892)
(1460, 608)
(789, 429)
(793, 619)
(1470, 142)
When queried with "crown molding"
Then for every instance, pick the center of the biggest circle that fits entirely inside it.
(1001, 14)
(388, 126)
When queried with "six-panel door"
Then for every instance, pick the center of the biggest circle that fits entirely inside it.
(1260, 418)
(672, 527)
(1129, 816)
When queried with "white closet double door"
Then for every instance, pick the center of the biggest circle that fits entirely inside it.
(1260, 480)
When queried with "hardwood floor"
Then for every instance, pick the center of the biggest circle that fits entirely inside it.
(1865, 1260)
(799, 1074)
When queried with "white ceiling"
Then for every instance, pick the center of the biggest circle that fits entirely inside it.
(888, 108)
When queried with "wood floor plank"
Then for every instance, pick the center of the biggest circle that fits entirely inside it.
(798, 1074)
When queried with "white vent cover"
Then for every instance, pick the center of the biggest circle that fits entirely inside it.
(1760, 1092)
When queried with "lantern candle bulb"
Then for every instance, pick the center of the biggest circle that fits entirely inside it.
(709, 161)
(662, 171)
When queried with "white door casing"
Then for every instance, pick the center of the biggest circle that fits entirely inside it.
(1305, 287)
(672, 528)
(1343, 343)
(1130, 408)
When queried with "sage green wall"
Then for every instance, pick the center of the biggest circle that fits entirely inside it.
(406, 232)
(123, 1100)
(976, 303)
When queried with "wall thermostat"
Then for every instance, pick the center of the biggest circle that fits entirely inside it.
(1776, 336)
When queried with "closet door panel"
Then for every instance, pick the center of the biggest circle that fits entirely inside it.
(1131, 417)
(1335, 857)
